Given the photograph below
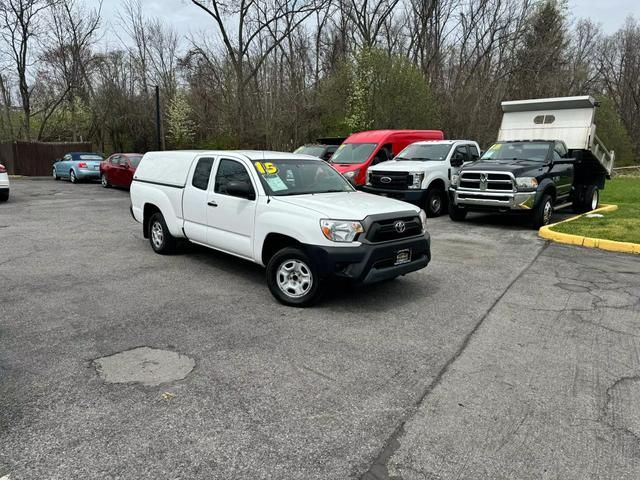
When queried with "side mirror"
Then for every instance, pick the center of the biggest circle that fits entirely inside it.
(241, 189)
(457, 161)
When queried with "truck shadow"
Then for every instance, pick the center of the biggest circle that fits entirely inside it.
(339, 294)
(512, 222)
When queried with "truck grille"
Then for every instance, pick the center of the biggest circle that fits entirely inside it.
(385, 230)
(390, 180)
(486, 181)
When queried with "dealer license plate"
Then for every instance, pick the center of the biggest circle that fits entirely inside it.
(403, 256)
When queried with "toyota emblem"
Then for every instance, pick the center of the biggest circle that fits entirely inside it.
(400, 226)
(385, 180)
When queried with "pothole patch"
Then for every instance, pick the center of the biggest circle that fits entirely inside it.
(148, 366)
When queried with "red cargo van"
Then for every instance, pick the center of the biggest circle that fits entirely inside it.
(361, 150)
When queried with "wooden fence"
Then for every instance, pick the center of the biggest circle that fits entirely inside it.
(36, 158)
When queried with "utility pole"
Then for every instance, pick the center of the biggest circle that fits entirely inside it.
(158, 129)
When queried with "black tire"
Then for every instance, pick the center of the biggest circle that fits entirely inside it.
(104, 181)
(543, 212)
(457, 214)
(160, 238)
(589, 201)
(55, 175)
(4, 196)
(72, 177)
(436, 202)
(292, 290)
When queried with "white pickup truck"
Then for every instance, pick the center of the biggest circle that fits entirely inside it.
(293, 214)
(421, 173)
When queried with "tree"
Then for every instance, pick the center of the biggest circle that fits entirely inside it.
(389, 92)
(541, 62)
(20, 24)
(613, 133)
(180, 126)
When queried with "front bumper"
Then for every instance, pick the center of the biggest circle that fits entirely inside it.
(86, 174)
(416, 197)
(371, 262)
(492, 201)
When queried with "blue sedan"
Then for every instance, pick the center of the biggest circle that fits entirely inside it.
(77, 166)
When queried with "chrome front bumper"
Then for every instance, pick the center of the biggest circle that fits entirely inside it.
(499, 200)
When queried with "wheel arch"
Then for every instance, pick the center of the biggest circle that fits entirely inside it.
(273, 242)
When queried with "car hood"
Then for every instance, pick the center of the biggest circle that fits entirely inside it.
(517, 167)
(405, 166)
(347, 205)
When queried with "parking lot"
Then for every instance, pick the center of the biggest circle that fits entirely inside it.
(507, 357)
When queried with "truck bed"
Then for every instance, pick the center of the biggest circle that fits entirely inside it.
(570, 119)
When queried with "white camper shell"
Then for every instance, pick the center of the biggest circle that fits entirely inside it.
(570, 119)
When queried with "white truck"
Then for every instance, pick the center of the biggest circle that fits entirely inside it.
(421, 173)
(294, 214)
(547, 157)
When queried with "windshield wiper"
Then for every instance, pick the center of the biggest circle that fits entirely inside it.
(419, 159)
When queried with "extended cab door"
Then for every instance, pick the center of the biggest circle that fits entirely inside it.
(194, 200)
(231, 218)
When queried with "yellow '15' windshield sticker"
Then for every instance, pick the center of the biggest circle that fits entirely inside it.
(266, 168)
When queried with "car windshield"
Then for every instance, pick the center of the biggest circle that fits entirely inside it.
(135, 160)
(89, 156)
(436, 152)
(353, 152)
(299, 177)
(536, 151)
(314, 150)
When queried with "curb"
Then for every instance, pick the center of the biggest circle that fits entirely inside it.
(601, 243)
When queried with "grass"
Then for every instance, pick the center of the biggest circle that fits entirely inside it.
(622, 225)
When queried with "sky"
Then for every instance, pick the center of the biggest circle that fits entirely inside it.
(186, 18)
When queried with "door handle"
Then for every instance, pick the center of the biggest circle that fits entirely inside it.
(212, 204)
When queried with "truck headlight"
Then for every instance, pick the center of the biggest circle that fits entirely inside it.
(526, 183)
(423, 220)
(341, 230)
(455, 178)
(417, 180)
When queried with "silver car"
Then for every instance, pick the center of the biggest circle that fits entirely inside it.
(78, 166)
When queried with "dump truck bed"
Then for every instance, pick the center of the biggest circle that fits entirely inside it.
(570, 119)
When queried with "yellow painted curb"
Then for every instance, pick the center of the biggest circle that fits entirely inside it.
(601, 243)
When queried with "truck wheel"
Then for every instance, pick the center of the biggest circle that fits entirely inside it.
(457, 214)
(4, 196)
(293, 279)
(543, 212)
(589, 201)
(436, 202)
(160, 238)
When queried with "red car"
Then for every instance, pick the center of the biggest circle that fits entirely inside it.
(361, 150)
(118, 169)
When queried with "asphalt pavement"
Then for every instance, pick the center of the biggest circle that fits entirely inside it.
(507, 357)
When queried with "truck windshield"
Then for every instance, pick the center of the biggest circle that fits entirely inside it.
(536, 151)
(353, 153)
(314, 150)
(299, 177)
(425, 152)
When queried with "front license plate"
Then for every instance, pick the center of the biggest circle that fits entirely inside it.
(403, 256)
